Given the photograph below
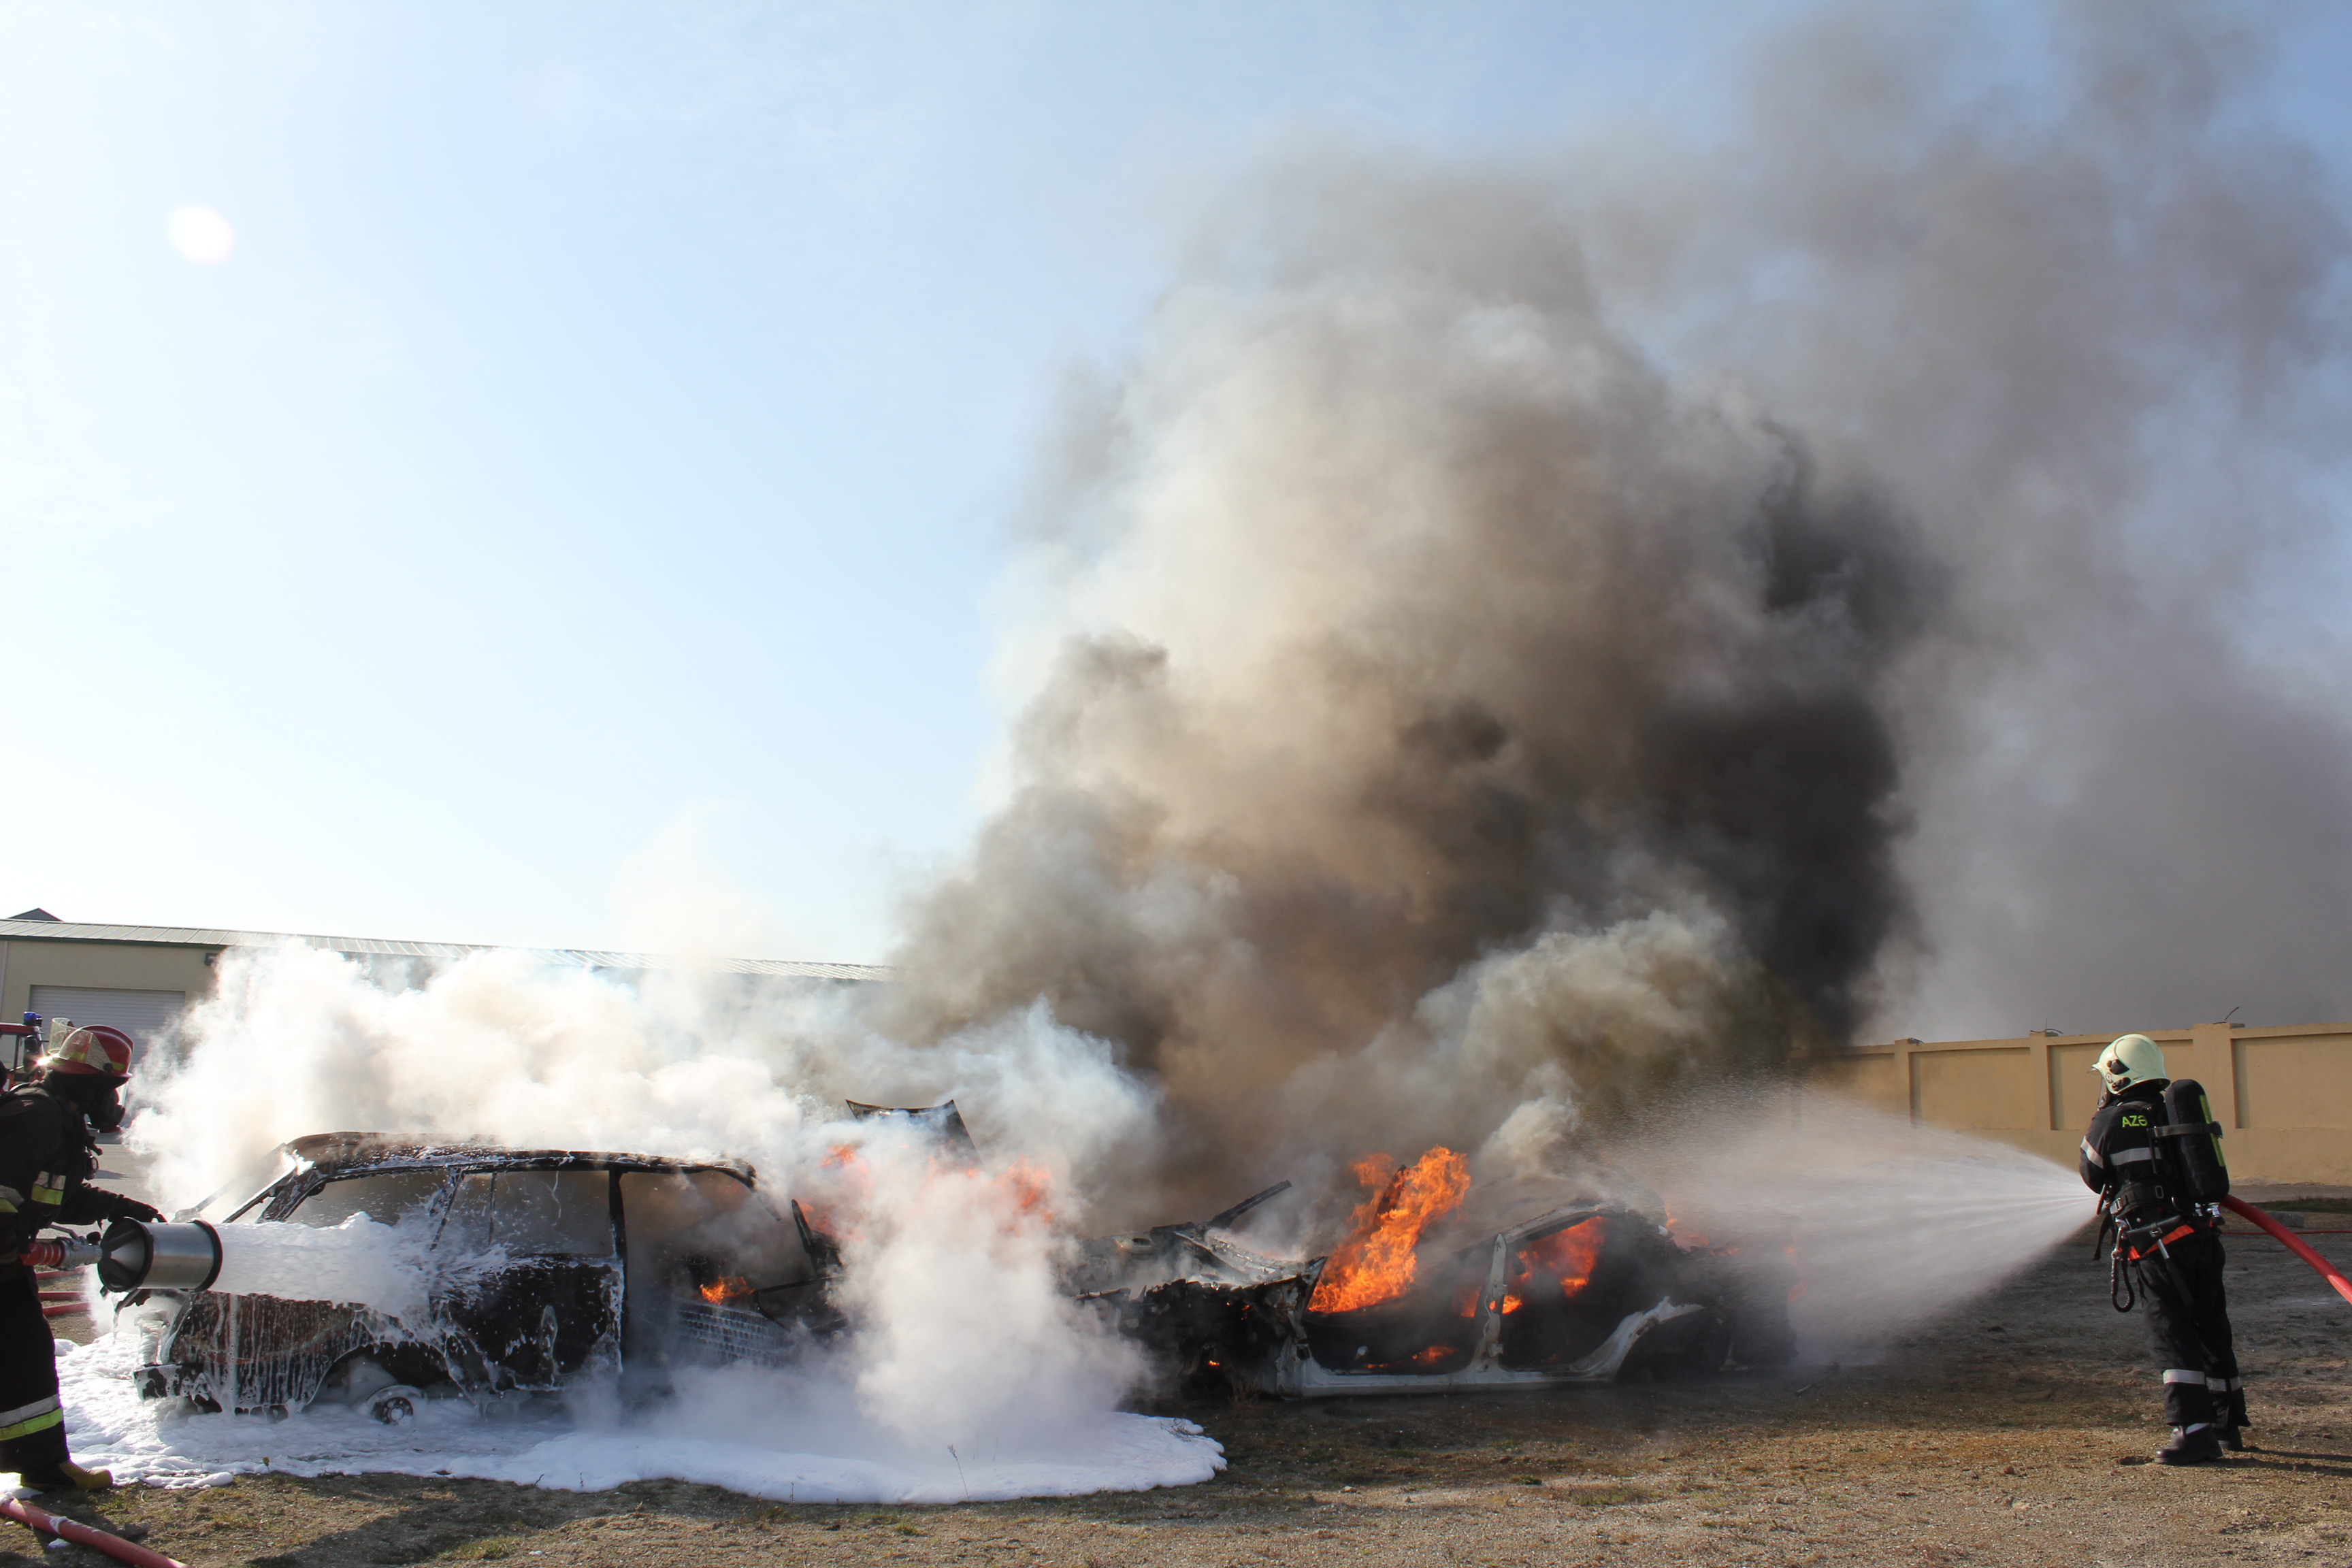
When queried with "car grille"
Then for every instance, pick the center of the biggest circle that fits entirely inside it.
(732, 1334)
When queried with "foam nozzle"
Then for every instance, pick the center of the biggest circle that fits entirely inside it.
(134, 1254)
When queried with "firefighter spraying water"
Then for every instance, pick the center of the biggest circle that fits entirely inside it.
(2153, 1152)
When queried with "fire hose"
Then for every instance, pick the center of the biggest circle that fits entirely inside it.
(2294, 1243)
(55, 1258)
(90, 1535)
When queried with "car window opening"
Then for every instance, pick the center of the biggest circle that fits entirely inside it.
(533, 1214)
(385, 1196)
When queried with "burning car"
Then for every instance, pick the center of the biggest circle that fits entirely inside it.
(605, 1263)
(1442, 1284)
(561, 1265)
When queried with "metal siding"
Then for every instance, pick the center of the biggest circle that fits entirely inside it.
(197, 936)
(141, 1014)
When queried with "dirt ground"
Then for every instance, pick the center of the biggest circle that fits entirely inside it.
(2015, 1434)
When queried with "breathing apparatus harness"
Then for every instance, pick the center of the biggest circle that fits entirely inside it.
(2147, 1237)
(2181, 1199)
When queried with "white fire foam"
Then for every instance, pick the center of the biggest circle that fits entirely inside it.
(358, 1263)
(393, 1268)
(962, 1341)
(760, 1433)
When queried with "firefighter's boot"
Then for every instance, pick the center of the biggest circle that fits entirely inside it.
(66, 1476)
(2198, 1444)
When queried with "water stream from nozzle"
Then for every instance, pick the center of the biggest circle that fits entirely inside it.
(1889, 1225)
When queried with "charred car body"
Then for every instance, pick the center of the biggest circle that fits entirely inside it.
(617, 1265)
(1530, 1281)
(621, 1267)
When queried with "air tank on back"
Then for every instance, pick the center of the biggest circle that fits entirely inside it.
(2194, 1140)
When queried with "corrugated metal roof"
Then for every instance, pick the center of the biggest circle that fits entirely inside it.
(372, 946)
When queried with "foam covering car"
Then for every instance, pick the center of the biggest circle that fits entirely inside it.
(613, 1264)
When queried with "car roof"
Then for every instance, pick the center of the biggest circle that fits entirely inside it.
(349, 1153)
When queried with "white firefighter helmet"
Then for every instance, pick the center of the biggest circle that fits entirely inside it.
(2130, 1060)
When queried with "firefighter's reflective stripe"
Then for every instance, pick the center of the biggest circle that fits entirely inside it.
(28, 1419)
(10, 1200)
(2224, 1385)
(2092, 1154)
(2184, 1374)
(2130, 1156)
(49, 1188)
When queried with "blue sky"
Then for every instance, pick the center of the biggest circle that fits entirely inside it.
(586, 482)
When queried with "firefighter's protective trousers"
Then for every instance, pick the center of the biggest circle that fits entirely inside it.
(32, 1424)
(2189, 1331)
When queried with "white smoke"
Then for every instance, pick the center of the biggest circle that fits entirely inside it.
(961, 1333)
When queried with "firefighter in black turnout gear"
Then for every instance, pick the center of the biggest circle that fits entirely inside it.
(48, 1155)
(2168, 1253)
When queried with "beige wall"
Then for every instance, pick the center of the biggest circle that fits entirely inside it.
(2282, 1094)
(25, 963)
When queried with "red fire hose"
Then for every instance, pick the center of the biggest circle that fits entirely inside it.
(2296, 1244)
(82, 1534)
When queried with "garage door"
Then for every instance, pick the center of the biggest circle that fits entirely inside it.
(141, 1014)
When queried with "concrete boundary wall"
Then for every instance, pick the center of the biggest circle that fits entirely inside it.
(2283, 1093)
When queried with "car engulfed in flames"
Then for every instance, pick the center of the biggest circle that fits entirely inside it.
(1442, 1283)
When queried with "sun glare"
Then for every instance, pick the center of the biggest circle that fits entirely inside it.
(201, 234)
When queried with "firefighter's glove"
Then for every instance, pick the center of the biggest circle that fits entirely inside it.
(132, 1208)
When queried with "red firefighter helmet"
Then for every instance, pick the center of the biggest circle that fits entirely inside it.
(93, 1048)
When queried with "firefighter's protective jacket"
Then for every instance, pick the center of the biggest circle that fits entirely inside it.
(2121, 1145)
(47, 1158)
(2120, 1158)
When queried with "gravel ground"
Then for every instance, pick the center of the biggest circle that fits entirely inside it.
(2016, 1433)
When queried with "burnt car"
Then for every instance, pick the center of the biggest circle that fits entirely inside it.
(606, 1264)
(1527, 1281)
(621, 1267)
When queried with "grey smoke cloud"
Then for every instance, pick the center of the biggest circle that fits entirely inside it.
(1554, 629)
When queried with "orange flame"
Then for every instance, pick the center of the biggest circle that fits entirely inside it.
(732, 1288)
(1562, 1261)
(1030, 1187)
(1687, 1239)
(1377, 1262)
(1021, 1196)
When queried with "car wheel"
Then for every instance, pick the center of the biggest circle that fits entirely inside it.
(396, 1406)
